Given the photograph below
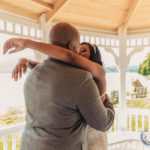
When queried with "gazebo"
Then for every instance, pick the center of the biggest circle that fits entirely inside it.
(118, 24)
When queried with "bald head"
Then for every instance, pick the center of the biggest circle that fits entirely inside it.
(64, 34)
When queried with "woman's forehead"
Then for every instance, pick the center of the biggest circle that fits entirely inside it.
(84, 46)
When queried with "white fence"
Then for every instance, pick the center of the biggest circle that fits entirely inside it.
(137, 121)
(14, 131)
(16, 26)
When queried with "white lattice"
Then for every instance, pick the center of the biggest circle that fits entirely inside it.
(14, 25)
(134, 42)
(100, 40)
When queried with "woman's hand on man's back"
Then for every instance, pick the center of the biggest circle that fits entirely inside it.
(20, 68)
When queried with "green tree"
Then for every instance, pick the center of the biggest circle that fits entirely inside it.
(144, 68)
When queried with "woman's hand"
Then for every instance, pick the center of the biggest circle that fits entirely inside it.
(20, 68)
(107, 97)
(15, 43)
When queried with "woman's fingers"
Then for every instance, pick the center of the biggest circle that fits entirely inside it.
(17, 72)
(13, 74)
(17, 44)
(20, 71)
(24, 69)
(8, 45)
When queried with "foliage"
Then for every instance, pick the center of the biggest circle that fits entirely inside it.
(115, 102)
(144, 68)
(134, 90)
(13, 116)
(145, 104)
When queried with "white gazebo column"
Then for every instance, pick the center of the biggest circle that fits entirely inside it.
(122, 67)
(122, 111)
(45, 29)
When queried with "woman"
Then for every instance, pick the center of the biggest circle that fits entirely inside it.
(96, 139)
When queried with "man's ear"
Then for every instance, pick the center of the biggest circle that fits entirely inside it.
(72, 47)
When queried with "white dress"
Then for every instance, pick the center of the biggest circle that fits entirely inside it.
(97, 140)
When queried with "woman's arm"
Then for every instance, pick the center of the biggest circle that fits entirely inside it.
(70, 57)
(62, 54)
(31, 64)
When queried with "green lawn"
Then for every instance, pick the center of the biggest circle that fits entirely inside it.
(139, 103)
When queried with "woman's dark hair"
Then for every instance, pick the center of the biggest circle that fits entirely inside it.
(95, 55)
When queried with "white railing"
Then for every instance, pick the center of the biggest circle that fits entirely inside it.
(100, 40)
(138, 42)
(114, 127)
(14, 131)
(137, 121)
(21, 27)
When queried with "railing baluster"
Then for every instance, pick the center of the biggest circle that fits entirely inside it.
(21, 33)
(95, 40)
(13, 142)
(36, 34)
(111, 129)
(83, 38)
(115, 123)
(29, 32)
(5, 143)
(127, 121)
(5, 26)
(130, 125)
(149, 122)
(142, 122)
(14, 28)
(100, 41)
(136, 123)
(140, 116)
(142, 42)
(136, 42)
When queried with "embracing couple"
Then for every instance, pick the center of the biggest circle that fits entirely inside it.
(65, 95)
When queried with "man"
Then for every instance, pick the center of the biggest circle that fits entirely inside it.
(60, 99)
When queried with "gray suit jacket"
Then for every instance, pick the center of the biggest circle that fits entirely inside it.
(60, 101)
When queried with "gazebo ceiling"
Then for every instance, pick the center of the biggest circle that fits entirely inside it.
(100, 14)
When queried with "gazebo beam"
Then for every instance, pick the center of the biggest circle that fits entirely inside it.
(130, 14)
(59, 4)
(43, 4)
(6, 6)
